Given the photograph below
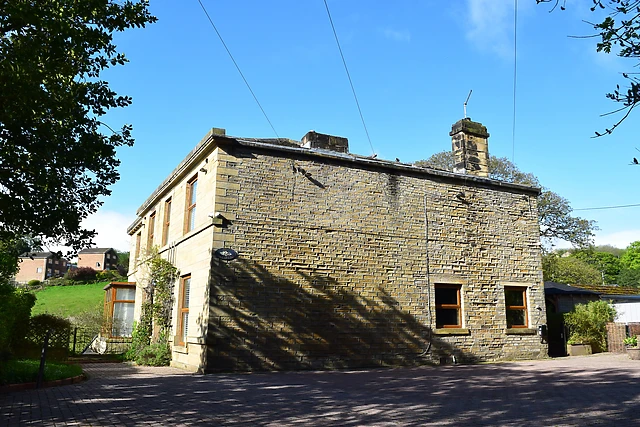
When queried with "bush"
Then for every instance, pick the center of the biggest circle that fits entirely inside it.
(588, 324)
(31, 345)
(156, 354)
(32, 284)
(109, 275)
(15, 309)
(81, 274)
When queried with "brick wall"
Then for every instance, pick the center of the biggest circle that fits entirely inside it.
(338, 263)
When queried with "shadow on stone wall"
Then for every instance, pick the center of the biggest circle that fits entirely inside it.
(260, 321)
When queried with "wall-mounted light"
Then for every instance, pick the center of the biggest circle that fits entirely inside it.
(203, 170)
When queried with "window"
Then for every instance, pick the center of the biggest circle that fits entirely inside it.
(152, 226)
(190, 218)
(183, 310)
(108, 256)
(167, 220)
(56, 262)
(49, 261)
(56, 272)
(448, 308)
(138, 238)
(97, 264)
(39, 270)
(515, 298)
(119, 304)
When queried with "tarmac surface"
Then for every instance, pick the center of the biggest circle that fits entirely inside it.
(601, 390)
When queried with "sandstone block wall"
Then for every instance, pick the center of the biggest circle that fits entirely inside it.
(338, 263)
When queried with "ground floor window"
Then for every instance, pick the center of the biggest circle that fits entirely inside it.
(516, 306)
(183, 310)
(119, 303)
(448, 307)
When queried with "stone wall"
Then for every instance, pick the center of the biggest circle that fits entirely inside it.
(338, 262)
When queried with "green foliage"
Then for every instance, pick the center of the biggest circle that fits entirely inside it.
(631, 341)
(570, 270)
(26, 371)
(146, 349)
(15, 309)
(628, 277)
(631, 257)
(123, 263)
(554, 211)
(156, 354)
(56, 161)
(81, 274)
(34, 283)
(10, 249)
(605, 262)
(109, 276)
(588, 324)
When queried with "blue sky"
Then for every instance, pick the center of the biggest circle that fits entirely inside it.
(412, 64)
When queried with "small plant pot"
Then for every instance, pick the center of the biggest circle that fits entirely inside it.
(634, 353)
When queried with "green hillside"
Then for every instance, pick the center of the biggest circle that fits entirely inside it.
(68, 301)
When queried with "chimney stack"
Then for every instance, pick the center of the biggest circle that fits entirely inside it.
(469, 141)
(314, 139)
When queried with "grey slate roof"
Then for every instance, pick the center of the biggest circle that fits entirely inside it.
(95, 251)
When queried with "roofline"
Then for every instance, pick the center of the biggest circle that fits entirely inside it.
(212, 138)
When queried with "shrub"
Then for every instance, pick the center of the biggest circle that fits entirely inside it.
(15, 309)
(109, 275)
(34, 283)
(588, 324)
(81, 274)
(156, 354)
(59, 329)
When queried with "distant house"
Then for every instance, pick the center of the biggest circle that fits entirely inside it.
(40, 266)
(98, 258)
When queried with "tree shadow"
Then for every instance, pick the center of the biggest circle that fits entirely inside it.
(302, 320)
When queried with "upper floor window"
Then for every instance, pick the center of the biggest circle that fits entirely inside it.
(138, 238)
(448, 307)
(39, 270)
(192, 187)
(167, 221)
(152, 226)
(515, 298)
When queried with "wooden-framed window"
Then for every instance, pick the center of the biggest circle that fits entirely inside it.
(515, 299)
(190, 217)
(183, 310)
(167, 221)
(150, 232)
(138, 241)
(448, 307)
(119, 302)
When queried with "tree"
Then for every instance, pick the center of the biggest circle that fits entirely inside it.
(57, 157)
(554, 211)
(606, 263)
(10, 250)
(570, 270)
(631, 257)
(123, 262)
(620, 31)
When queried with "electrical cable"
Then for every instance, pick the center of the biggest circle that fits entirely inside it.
(608, 207)
(348, 76)
(238, 68)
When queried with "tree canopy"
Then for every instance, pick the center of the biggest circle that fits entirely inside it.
(554, 211)
(57, 156)
(619, 32)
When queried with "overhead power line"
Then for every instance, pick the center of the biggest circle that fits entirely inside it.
(608, 207)
(348, 76)
(238, 68)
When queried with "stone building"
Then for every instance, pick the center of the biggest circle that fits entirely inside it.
(301, 255)
(40, 266)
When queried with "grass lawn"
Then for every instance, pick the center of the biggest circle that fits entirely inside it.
(26, 371)
(69, 300)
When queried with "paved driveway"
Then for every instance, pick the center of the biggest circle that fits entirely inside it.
(591, 390)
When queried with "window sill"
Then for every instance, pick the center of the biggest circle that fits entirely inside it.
(452, 331)
(181, 349)
(521, 331)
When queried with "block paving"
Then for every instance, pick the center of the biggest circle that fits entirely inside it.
(601, 390)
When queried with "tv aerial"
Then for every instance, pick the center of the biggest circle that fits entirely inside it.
(466, 102)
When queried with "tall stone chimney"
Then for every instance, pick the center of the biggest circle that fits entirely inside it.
(314, 139)
(469, 141)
